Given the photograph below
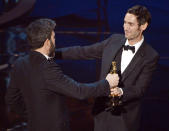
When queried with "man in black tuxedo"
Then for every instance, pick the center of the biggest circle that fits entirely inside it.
(136, 62)
(38, 84)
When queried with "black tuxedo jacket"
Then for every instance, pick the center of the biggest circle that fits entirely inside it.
(42, 86)
(135, 80)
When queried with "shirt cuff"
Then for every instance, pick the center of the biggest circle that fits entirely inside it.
(121, 90)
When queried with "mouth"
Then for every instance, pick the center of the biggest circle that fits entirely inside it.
(126, 32)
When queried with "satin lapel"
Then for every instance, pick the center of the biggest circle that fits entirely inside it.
(135, 62)
(109, 55)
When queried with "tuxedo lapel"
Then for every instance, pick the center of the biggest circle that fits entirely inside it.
(110, 54)
(135, 62)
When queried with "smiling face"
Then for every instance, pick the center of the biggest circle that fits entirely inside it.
(133, 31)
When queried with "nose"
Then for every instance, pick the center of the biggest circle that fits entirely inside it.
(125, 26)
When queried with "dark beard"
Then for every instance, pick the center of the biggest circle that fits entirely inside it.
(52, 49)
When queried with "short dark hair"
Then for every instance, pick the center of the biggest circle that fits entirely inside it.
(142, 14)
(38, 31)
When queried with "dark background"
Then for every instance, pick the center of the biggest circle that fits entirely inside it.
(84, 22)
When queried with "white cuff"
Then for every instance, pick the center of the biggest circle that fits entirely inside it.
(121, 90)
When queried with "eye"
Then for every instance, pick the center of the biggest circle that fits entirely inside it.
(131, 24)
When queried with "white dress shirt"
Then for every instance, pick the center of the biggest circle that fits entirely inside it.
(127, 55)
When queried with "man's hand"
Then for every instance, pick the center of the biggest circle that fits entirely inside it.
(113, 80)
(116, 91)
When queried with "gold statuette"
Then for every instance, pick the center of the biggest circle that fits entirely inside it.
(114, 99)
(114, 68)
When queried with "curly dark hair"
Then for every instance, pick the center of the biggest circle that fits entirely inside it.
(142, 14)
(38, 31)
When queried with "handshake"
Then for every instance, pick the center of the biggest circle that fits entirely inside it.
(113, 80)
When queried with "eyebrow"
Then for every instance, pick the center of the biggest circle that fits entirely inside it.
(128, 22)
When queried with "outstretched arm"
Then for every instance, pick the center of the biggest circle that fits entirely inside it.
(57, 82)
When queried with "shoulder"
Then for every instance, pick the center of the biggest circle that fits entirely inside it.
(18, 65)
(151, 55)
(116, 39)
(20, 60)
(150, 51)
(50, 66)
(117, 36)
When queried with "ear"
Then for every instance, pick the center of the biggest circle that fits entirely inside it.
(46, 42)
(144, 26)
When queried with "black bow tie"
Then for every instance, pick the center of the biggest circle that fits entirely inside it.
(127, 47)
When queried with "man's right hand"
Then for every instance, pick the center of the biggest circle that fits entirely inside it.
(113, 80)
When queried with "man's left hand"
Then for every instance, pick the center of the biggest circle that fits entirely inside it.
(116, 91)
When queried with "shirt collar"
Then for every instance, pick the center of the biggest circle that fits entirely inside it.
(47, 57)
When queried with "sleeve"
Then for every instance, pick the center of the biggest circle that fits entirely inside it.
(90, 52)
(131, 92)
(56, 81)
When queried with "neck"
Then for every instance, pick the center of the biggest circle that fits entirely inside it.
(42, 51)
(134, 41)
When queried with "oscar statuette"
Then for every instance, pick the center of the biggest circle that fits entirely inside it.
(114, 99)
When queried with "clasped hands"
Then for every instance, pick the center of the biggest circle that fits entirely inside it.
(113, 80)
